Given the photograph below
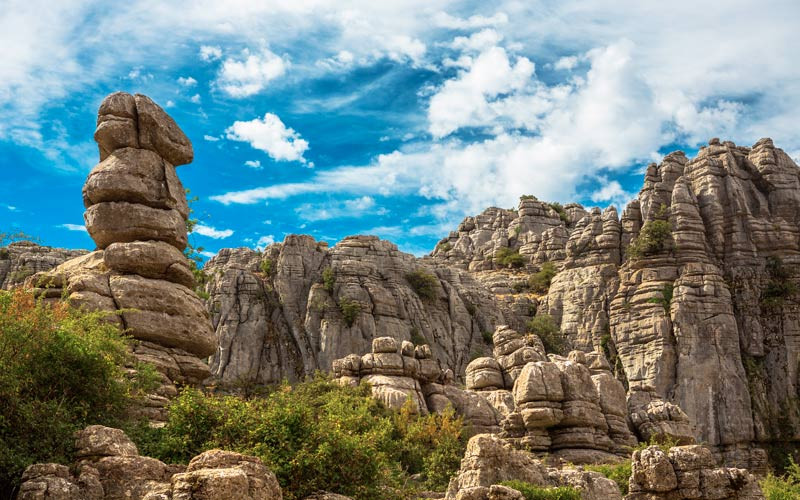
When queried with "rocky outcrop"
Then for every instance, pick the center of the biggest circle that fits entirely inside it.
(402, 374)
(687, 472)
(490, 460)
(136, 212)
(22, 259)
(572, 408)
(300, 305)
(109, 467)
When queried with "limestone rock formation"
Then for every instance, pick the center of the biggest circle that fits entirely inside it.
(22, 259)
(300, 305)
(136, 212)
(109, 467)
(490, 460)
(687, 472)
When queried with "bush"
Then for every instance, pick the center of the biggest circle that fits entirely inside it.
(779, 287)
(315, 435)
(619, 473)
(61, 369)
(666, 297)
(488, 337)
(546, 328)
(652, 238)
(786, 487)
(328, 279)
(533, 492)
(416, 337)
(445, 247)
(540, 281)
(20, 274)
(508, 257)
(349, 309)
(423, 283)
(527, 197)
(562, 214)
(266, 266)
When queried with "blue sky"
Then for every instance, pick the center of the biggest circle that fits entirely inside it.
(333, 118)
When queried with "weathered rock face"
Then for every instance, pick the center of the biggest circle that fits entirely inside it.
(688, 472)
(490, 460)
(22, 259)
(109, 467)
(301, 305)
(700, 319)
(572, 408)
(136, 212)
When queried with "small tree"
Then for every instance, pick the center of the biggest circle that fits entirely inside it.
(540, 281)
(545, 327)
(423, 283)
(508, 257)
(328, 279)
(349, 309)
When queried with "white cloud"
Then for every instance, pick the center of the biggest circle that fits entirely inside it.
(445, 20)
(612, 192)
(210, 53)
(253, 164)
(195, 99)
(479, 41)
(187, 81)
(270, 135)
(170, 104)
(566, 63)
(208, 254)
(73, 227)
(265, 241)
(357, 207)
(210, 138)
(251, 74)
(211, 232)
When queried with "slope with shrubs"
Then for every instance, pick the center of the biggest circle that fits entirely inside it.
(60, 370)
(316, 435)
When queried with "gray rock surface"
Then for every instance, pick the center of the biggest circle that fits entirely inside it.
(22, 259)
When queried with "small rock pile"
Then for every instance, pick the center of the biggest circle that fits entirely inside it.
(136, 212)
(688, 472)
(572, 407)
(109, 467)
(405, 372)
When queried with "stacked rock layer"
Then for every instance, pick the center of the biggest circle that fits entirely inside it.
(136, 212)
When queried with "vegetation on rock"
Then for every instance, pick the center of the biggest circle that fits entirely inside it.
(619, 473)
(562, 214)
(546, 328)
(786, 487)
(539, 282)
(533, 492)
(653, 237)
(349, 309)
(328, 279)
(423, 283)
(779, 287)
(508, 257)
(61, 369)
(316, 435)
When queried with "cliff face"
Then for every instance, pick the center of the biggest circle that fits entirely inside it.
(23, 259)
(300, 305)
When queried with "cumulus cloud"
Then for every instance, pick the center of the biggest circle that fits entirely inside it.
(212, 232)
(187, 81)
(210, 138)
(270, 135)
(250, 74)
(253, 164)
(265, 241)
(210, 52)
(73, 227)
(445, 20)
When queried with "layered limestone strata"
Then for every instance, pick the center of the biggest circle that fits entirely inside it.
(687, 472)
(490, 460)
(300, 305)
(136, 212)
(572, 408)
(22, 259)
(401, 373)
(108, 467)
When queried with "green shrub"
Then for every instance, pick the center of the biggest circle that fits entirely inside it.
(328, 279)
(349, 309)
(266, 266)
(445, 247)
(315, 435)
(4, 254)
(527, 197)
(471, 309)
(533, 492)
(666, 297)
(562, 214)
(652, 239)
(488, 337)
(779, 287)
(61, 369)
(786, 487)
(540, 281)
(545, 327)
(508, 257)
(519, 286)
(423, 283)
(619, 473)
(416, 337)
(20, 274)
